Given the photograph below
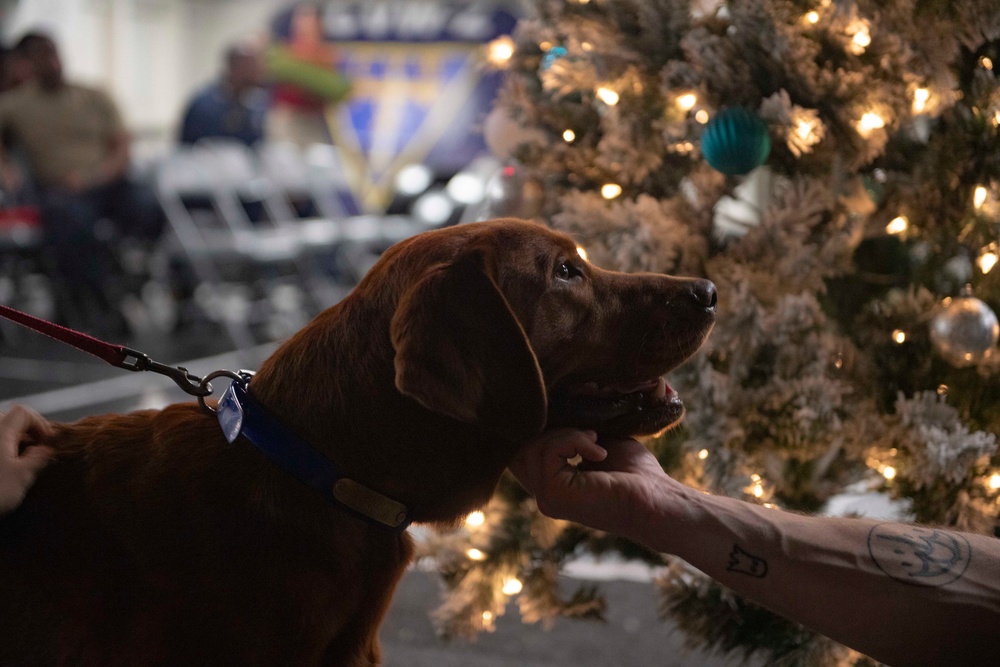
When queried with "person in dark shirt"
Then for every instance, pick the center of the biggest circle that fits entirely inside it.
(235, 106)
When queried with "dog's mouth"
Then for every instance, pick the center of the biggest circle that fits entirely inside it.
(621, 408)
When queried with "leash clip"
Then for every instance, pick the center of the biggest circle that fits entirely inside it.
(190, 384)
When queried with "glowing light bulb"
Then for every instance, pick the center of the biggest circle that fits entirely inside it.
(804, 128)
(988, 258)
(487, 616)
(582, 253)
(899, 336)
(607, 96)
(701, 116)
(942, 390)
(994, 482)
(758, 491)
(979, 196)
(889, 472)
(475, 554)
(569, 136)
(861, 39)
(687, 101)
(477, 518)
(812, 17)
(920, 98)
(545, 46)
(986, 63)
(610, 190)
(512, 586)
(897, 225)
(703, 454)
(500, 50)
(870, 121)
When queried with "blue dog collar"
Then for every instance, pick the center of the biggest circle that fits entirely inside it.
(239, 414)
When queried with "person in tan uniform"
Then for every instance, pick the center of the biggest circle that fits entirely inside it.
(76, 150)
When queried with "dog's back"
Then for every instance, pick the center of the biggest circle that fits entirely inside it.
(153, 541)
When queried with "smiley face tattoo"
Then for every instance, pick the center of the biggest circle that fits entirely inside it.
(919, 556)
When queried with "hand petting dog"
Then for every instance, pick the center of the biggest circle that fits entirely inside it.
(18, 469)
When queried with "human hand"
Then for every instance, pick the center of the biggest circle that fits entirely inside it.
(618, 487)
(18, 470)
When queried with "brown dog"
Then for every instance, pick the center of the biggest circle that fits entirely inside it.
(152, 541)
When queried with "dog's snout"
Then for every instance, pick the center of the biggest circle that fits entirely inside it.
(704, 294)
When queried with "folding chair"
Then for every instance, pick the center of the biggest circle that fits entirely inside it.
(223, 248)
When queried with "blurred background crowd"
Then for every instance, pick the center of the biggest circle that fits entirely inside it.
(198, 168)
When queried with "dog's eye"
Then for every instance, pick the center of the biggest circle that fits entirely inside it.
(567, 271)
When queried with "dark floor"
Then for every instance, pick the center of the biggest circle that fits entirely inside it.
(66, 384)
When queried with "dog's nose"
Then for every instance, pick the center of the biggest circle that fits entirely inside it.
(704, 293)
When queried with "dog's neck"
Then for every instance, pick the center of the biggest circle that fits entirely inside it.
(322, 384)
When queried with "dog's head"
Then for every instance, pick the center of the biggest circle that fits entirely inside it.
(507, 327)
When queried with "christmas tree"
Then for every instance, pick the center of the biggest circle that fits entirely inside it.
(834, 167)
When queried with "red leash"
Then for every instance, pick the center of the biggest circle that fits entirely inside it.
(116, 355)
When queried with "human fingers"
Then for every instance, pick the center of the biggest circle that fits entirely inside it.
(19, 421)
(541, 458)
(32, 461)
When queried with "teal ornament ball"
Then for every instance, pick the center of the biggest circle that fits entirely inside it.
(553, 54)
(736, 141)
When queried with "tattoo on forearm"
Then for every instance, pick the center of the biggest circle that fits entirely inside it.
(744, 563)
(919, 556)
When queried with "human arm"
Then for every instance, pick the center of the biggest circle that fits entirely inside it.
(905, 595)
(19, 469)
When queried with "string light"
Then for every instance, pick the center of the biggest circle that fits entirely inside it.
(582, 252)
(994, 482)
(475, 554)
(986, 63)
(477, 518)
(703, 454)
(569, 136)
(500, 50)
(861, 39)
(607, 96)
(889, 472)
(979, 196)
(988, 258)
(942, 390)
(610, 190)
(512, 586)
(687, 101)
(898, 225)
(487, 616)
(804, 128)
(812, 17)
(701, 116)
(870, 121)
(545, 46)
(899, 336)
(920, 98)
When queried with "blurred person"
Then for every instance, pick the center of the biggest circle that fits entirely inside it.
(76, 149)
(305, 81)
(233, 107)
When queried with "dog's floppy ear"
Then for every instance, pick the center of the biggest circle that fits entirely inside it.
(461, 352)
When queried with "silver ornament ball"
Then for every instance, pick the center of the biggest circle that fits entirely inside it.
(964, 330)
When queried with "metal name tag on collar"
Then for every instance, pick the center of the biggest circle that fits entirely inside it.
(239, 414)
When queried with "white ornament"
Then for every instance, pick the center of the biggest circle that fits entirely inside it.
(965, 330)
